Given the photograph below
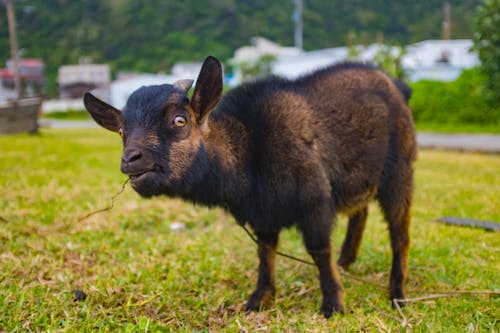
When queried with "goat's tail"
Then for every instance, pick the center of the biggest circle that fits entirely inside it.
(404, 89)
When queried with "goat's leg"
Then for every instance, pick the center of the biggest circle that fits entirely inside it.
(264, 293)
(352, 240)
(400, 239)
(395, 200)
(331, 287)
(316, 232)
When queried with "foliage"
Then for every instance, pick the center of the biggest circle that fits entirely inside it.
(459, 102)
(389, 59)
(151, 35)
(257, 69)
(487, 43)
(139, 275)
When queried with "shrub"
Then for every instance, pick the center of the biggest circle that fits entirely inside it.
(458, 102)
(487, 43)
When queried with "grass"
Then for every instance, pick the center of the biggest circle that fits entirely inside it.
(67, 115)
(470, 128)
(140, 276)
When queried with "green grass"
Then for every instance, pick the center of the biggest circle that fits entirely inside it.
(68, 115)
(457, 128)
(141, 276)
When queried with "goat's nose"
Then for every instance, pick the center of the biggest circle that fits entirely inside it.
(131, 155)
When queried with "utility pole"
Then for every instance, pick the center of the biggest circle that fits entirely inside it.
(447, 20)
(11, 18)
(297, 19)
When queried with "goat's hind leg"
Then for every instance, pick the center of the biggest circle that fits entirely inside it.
(395, 200)
(350, 247)
(264, 293)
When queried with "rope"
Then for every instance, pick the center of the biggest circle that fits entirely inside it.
(256, 241)
(112, 204)
(285, 255)
(438, 294)
(402, 319)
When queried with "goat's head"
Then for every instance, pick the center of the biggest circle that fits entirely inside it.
(162, 131)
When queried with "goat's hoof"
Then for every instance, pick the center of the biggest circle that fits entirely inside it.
(396, 295)
(253, 305)
(329, 308)
(397, 301)
(345, 262)
(259, 300)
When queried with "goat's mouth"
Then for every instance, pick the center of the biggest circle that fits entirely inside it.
(138, 178)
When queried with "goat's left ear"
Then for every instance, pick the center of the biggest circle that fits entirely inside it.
(103, 113)
(208, 90)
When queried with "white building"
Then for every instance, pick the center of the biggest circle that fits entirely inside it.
(127, 83)
(75, 80)
(186, 69)
(84, 73)
(292, 66)
(441, 60)
(252, 53)
(123, 87)
(97, 78)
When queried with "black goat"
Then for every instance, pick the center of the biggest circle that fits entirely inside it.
(277, 153)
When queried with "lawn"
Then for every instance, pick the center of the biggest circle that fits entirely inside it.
(141, 276)
(67, 115)
(470, 128)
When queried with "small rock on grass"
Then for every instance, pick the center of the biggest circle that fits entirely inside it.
(78, 295)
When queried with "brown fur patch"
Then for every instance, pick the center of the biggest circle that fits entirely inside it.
(152, 140)
(181, 155)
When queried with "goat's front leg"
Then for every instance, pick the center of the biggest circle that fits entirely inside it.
(316, 231)
(264, 293)
(331, 287)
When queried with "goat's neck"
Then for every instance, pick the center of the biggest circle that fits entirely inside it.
(226, 179)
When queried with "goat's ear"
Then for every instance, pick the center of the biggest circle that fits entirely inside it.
(103, 113)
(208, 89)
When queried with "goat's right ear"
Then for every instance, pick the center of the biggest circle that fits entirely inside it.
(208, 89)
(103, 113)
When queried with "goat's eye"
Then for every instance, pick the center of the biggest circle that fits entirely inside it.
(120, 131)
(179, 121)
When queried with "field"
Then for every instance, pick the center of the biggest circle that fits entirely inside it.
(139, 275)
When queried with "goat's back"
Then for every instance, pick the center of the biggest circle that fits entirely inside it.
(365, 127)
(328, 133)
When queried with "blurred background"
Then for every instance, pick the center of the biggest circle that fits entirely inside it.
(444, 49)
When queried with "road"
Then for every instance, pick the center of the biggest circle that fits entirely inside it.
(485, 143)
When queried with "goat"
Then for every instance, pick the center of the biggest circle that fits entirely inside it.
(277, 153)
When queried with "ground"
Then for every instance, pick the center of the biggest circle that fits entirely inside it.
(140, 276)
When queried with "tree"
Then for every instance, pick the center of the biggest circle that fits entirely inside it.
(487, 43)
